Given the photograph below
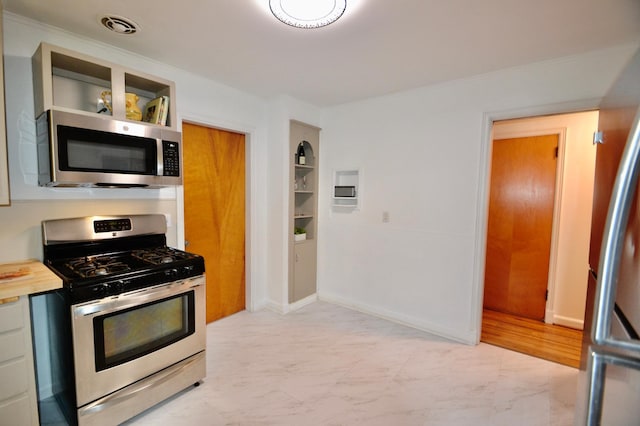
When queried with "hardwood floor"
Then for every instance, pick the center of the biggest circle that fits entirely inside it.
(551, 342)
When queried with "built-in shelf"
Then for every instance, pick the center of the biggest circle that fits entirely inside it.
(303, 210)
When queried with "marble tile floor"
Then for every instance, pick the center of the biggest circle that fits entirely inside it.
(327, 365)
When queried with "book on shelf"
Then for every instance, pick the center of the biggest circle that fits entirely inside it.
(157, 110)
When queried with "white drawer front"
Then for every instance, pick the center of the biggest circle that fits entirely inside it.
(12, 345)
(11, 315)
(13, 378)
(17, 412)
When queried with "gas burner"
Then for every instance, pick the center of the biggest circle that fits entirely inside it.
(97, 266)
(160, 255)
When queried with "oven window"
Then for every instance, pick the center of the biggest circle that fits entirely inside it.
(131, 333)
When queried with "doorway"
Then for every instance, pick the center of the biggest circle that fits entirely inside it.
(569, 247)
(214, 213)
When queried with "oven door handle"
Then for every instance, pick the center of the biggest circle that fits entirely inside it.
(134, 389)
(134, 299)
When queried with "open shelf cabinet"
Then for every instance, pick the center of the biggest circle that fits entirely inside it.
(303, 210)
(78, 83)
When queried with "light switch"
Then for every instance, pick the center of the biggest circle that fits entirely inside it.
(385, 217)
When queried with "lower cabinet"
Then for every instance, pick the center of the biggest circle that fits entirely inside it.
(18, 399)
(304, 270)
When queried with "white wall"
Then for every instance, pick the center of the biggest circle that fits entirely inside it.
(265, 124)
(425, 156)
(569, 265)
(423, 153)
(198, 100)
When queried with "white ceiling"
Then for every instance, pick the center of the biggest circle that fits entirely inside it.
(377, 47)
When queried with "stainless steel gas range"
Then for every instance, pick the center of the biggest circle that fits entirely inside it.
(127, 330)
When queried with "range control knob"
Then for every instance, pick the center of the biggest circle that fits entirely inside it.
(171, 272)
(117, 287)
(101, 290)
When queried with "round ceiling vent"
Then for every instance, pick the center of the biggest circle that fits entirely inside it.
(119, 25)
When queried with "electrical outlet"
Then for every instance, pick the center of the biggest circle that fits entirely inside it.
(385, 217)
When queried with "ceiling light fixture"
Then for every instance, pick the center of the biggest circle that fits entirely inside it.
(308, 13)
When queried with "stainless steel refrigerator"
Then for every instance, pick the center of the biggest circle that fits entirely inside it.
(609, 382)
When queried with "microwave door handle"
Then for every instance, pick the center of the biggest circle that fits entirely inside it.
(612, 243)
(159, 157)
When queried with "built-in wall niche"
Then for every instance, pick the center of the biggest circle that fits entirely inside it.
(346, 190)
(309, 155)
(304, 141)
(304, 198)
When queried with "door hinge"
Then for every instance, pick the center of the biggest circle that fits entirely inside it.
(546, 295)
(598, 138)
(556, 152)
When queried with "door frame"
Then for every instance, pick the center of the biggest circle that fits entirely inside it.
(557, 198)
(251, 218)
(483, 182)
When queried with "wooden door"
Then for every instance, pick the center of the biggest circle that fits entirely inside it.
(523, 175)
(214, 212)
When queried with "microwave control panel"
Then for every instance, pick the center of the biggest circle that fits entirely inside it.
(171, 158)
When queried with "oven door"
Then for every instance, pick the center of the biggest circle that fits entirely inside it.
(119, 340)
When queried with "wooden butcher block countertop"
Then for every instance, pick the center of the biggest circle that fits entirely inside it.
(24, 278)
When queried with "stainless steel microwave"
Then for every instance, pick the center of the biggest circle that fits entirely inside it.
(92, 151)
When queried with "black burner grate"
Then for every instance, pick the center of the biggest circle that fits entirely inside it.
(160, 255)
(97, 266)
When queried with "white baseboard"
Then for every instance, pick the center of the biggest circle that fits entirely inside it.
(275, 307)
(568, 322)
(303, 302)
(258, 306)
(45, 392)
(549, 316)
(284, 309)
(468, 338)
